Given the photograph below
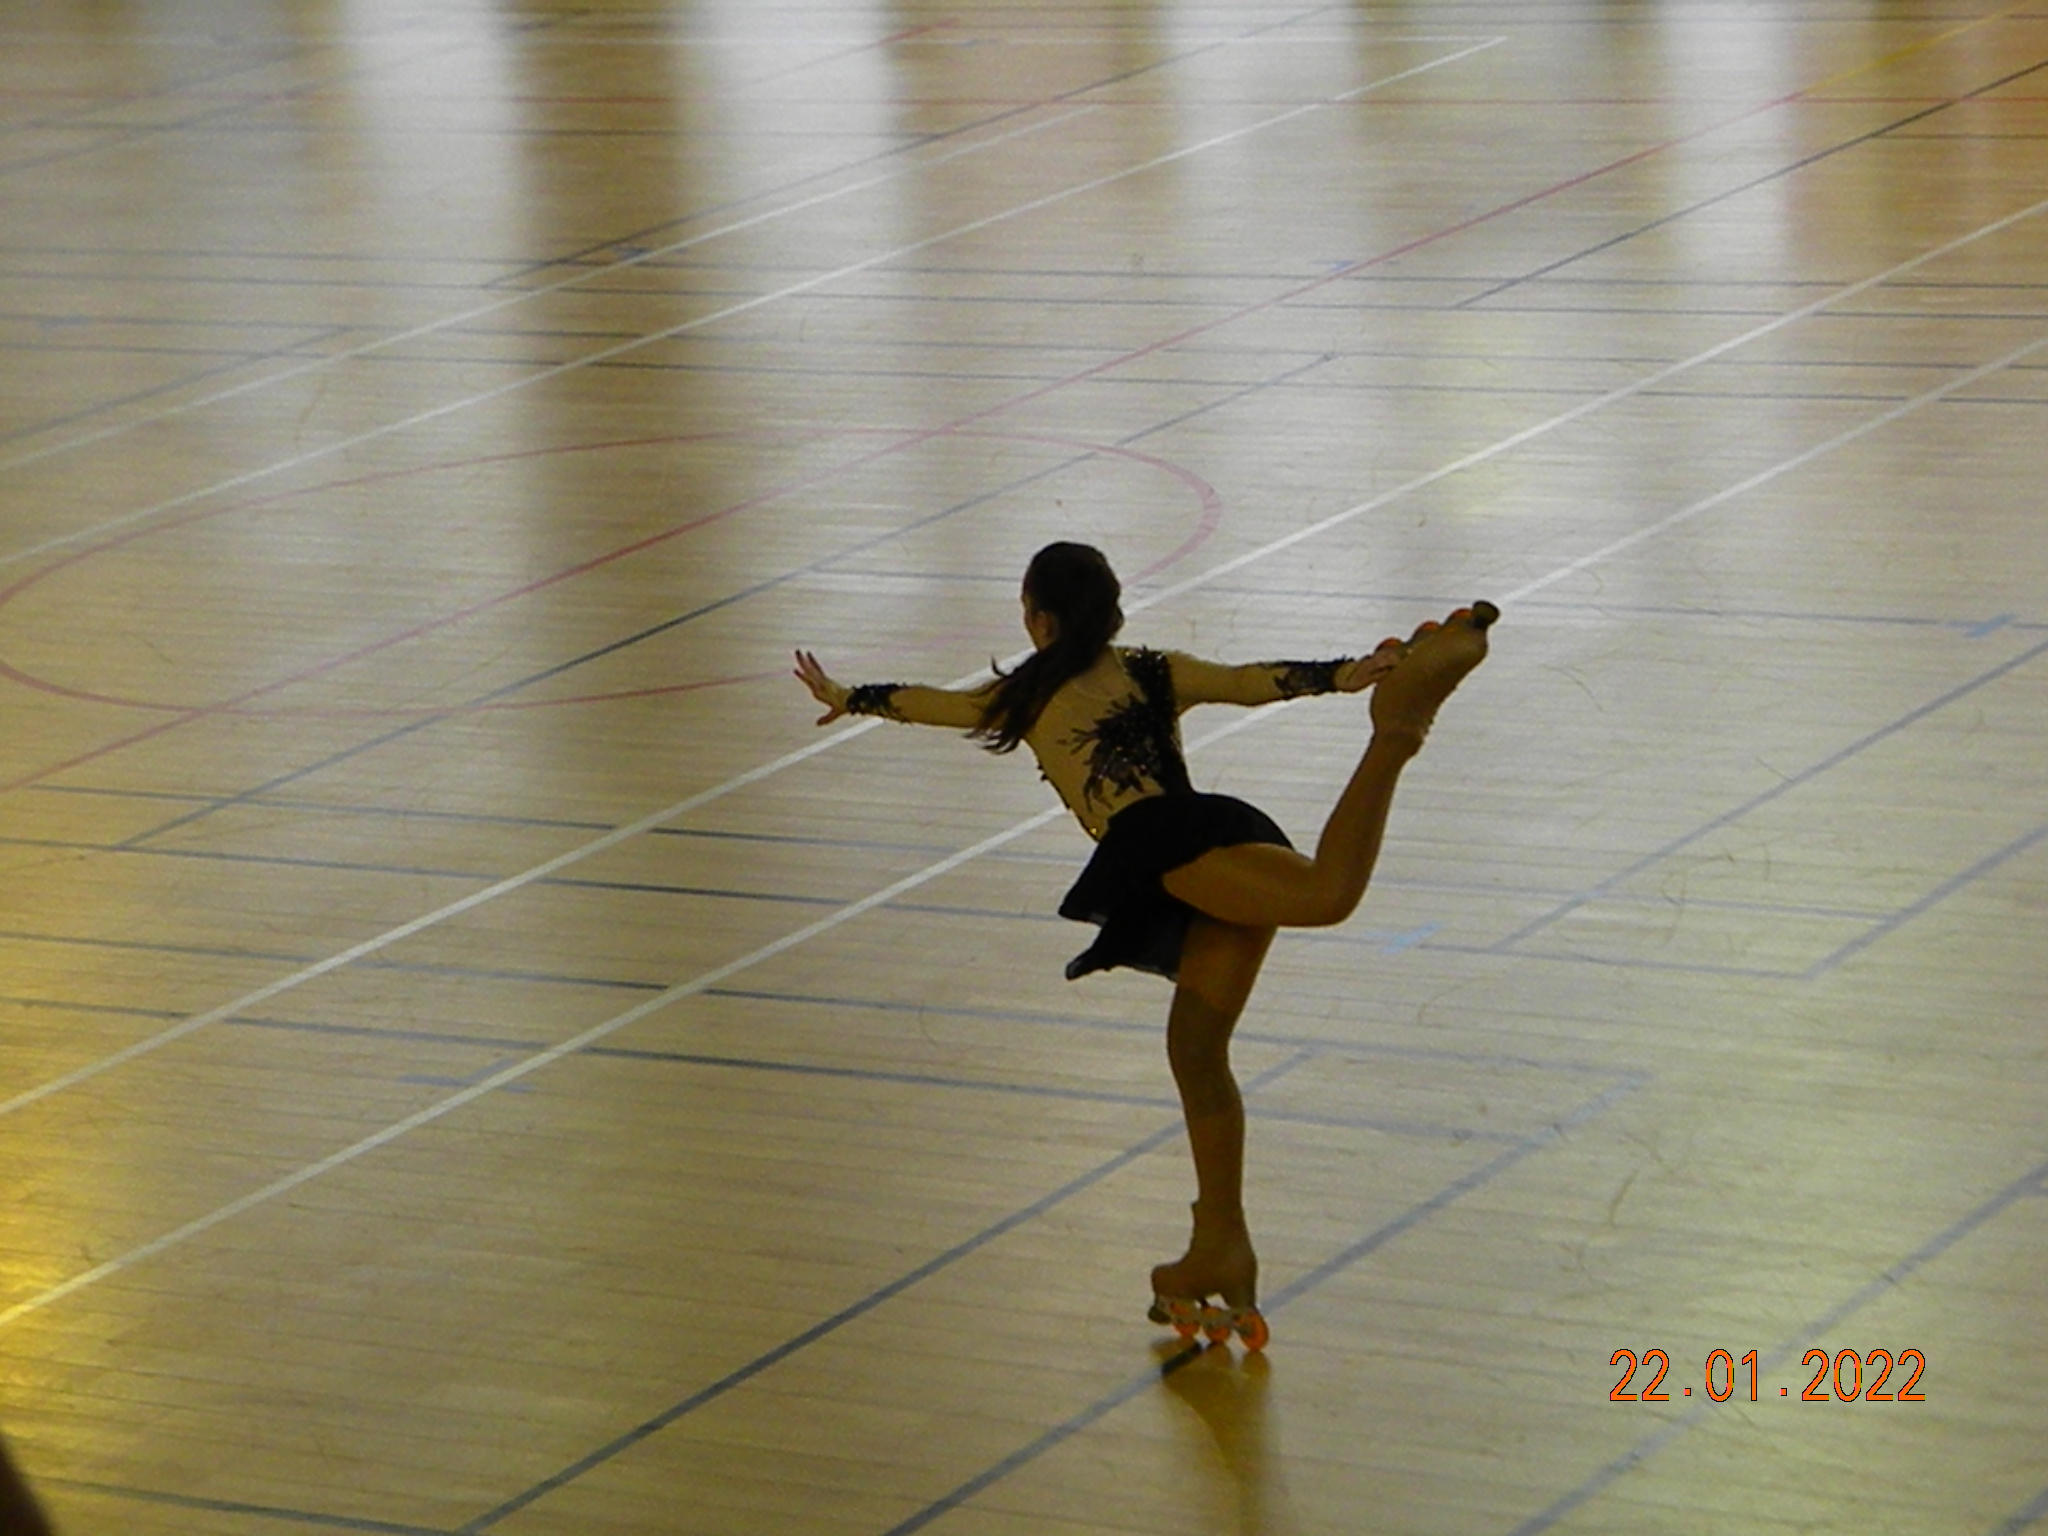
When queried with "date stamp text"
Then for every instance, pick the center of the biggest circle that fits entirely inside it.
(1874, 1376)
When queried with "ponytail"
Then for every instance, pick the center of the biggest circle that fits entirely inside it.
(1074, 586)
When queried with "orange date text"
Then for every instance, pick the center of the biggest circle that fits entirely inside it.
(1874, 1376)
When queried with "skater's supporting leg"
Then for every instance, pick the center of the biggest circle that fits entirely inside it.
(1261, 885)
(1219, 964)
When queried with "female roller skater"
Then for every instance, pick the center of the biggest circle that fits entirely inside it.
(1187, 885)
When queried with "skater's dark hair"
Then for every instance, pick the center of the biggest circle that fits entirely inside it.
(1074, 586)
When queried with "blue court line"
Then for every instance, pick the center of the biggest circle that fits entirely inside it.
(64, 1006)
(1124, 1026)
(1388, 943)
(869, 1303)
(26, 936)
(374, 1032)
(260, 1511)
(1883, 927)
(409, 967)
(317, 335)
(1342, 1260)
(1933, 898)
(474, 877)
(1890, 1280)
(1321, 1047)
(782, 578)
(1622, 962)
(286, 802)
(1971, 627)
(480, 818)
(646, 238)
(1051, 374)
(1606, 609)
(1764, 180)
(2027, 1514)
(1416, 1128)
(1798, 780)
(443, 1080)
(1393, 942)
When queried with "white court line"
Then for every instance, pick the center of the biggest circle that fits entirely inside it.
(155, 509)
(1651, 381)
(621, 834)
(516, 1071)
(463, 317)
(683, 807)
(696, 984)
(841, 915)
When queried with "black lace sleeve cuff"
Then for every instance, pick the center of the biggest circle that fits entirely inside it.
(1295, 678)
(874, 699)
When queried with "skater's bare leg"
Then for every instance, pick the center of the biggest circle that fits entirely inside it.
(1262, 885)
(1219, 964)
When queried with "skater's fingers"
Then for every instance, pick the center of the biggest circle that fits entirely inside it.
(1359, 673)
(1367, 670)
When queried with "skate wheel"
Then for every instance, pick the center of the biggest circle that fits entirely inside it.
(1251, 1327)
(1217, 1326)
(1183, 1317)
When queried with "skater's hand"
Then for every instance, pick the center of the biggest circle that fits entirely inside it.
(1360, 674)
(828, 693)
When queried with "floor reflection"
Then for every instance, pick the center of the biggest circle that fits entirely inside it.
(1228, 1393)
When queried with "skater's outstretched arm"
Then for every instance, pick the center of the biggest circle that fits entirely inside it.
(1196, 681)
(910, 702)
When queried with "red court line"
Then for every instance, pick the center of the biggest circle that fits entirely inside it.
(921, 436)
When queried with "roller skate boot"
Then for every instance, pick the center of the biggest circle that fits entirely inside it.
(1219, 1264)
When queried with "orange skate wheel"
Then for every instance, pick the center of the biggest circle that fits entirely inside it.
(1251, 1327)
(1183, 1317)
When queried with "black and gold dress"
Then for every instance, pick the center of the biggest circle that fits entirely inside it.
(1109, 743)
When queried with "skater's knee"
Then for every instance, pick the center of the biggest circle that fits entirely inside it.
(1330, 903)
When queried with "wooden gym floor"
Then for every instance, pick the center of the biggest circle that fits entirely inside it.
(477, 1059)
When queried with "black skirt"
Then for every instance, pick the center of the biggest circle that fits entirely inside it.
(1142, 926)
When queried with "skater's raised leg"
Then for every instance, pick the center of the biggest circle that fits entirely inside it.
(1263, 885)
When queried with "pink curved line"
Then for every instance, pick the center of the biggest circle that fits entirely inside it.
(963, 425)
(179, 713)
